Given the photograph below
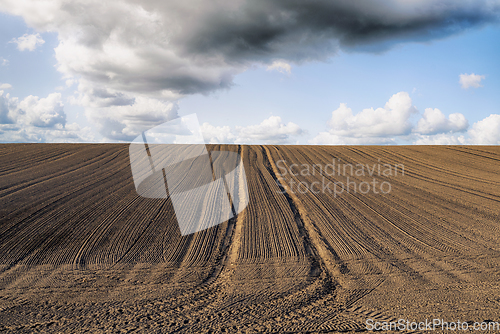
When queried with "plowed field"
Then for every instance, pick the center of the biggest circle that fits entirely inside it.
(81, 251)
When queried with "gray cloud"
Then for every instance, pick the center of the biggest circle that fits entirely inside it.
(173, 48)
(302, 30)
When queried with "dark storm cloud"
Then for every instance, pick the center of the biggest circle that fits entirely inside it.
(302, 30)
(167, 49)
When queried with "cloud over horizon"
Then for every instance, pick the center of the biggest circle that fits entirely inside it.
(370, 125)
(35, 119)
(271, 131)
(435, 122)
(388, 125)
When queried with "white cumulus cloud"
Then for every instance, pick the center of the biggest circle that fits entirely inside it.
(486, 131)
(471, 80)
(5, 86)
(391, 120)
(217, 134)
(28, 42)
(270, 131)
(46, 112)
(393, 123)
(483, 132)
(35, 119)
(434, 122)
(327, 138)
(33, 111)
(125, 122)
(441, 139)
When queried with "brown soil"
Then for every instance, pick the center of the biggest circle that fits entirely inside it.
(81, 251)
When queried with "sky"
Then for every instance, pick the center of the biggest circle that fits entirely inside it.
(328, 72)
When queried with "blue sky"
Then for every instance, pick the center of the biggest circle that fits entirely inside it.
(297, 102)
(428, 71)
